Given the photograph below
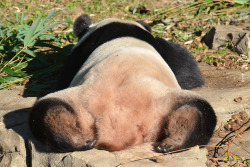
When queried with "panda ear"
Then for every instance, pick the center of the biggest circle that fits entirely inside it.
(81, 25)
(145, 25)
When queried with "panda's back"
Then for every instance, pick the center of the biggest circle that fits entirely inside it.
(122, 57)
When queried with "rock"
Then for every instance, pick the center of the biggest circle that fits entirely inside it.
(132, 157)
(19, 148)
(12, 148)
(13, 128)
(222, 100)
(219, 35)
(192, 157)
(244, 143)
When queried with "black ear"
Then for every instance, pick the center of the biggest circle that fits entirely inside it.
(145, 25)
(81, 25)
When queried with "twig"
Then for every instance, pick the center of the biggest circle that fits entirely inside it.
(25, 47)
(240, 85)
(236, 155)
(241, 147)
(242, 129)
(162, 154)
(227, 140)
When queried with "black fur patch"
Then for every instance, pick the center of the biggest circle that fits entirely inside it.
(40, 130)
(200, 135)
(205, 124)
(145, 25)
(181, 63)
(176, 57)
(81, 25)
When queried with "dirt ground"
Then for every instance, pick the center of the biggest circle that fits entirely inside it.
(230, 143)
(225, 78)
(232, 139)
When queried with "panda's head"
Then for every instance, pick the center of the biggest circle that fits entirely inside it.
(83, 26)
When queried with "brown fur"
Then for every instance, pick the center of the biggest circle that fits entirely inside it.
(70, 126)
(177, 126)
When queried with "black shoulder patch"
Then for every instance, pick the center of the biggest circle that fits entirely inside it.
(182, 63)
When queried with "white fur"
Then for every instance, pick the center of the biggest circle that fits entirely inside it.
(125, 46)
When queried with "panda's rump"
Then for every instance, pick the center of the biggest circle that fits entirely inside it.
(123, 88)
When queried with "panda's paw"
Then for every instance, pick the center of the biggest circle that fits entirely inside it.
(89, 144)
(164, 148)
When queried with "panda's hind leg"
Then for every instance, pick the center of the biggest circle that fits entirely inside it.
(56, 124)
(176, 128)
(192, 123)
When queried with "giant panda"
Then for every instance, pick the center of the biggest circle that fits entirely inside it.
(121, 87)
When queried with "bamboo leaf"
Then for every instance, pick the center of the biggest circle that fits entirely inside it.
(44, 36)
(9, 71)
(31, 31)
(20, 66)
(31, 43)
(135, 9)
(44, 30)
(29, 52)
(41, 24)
(22, 18)
(14, 73)
(17, 17)
(8, 79)
(241, 1)
(169, 26)
(200, 10)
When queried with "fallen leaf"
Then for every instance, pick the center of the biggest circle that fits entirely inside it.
(238, 99)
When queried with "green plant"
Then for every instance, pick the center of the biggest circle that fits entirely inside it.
(18, 45)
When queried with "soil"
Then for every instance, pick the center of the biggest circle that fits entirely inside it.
(232, 141)
(233, 136)
(224, 78)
